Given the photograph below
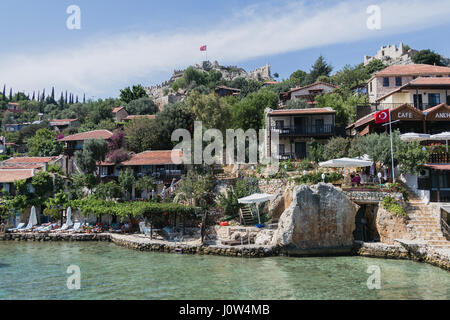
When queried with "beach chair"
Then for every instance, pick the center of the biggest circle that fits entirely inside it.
(76, 227)
(19, 226)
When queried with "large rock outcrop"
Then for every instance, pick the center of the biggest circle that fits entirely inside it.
(320, 219)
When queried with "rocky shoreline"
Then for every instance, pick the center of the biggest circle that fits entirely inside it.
(415, 252)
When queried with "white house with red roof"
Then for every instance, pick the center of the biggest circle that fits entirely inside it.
(407, 82)
(296, 127)
(308, 92)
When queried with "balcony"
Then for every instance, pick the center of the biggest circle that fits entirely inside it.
(319, 130)
(443, 157)
(421, 106)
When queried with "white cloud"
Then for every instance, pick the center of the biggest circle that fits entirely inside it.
(102, 66)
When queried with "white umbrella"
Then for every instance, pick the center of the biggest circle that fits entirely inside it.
(346, 163)
(69, 222)
(257, 198)
(441, 136)
(33, 218)
(411, 136)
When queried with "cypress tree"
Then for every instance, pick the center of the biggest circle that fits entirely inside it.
(53, 93)
(65, 100)
(33, 96)
(4, 92)
(84, 97)
(10, 94)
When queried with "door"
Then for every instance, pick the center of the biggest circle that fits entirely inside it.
(448, 100)
(300, 150)
(300, 125)
(418, 101)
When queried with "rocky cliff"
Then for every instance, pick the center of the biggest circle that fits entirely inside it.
(320, 219)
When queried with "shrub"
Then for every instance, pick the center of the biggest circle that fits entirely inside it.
(316, 177)
(391, 205)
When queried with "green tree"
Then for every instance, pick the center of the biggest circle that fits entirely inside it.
(140, 134)
(146, 184)
(107, 191)
(336, 148)
(297, 104)
(44, 144)
(411, 157)
(428, 57)
(374, 66)
(320, 68)
(249, 112)
(129, 94)
(94, 151)
(212, 110)
(126, 181)
(299, 77)
(142, 106)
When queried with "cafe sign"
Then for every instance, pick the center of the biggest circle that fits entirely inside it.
(440, 114)
(406, 112)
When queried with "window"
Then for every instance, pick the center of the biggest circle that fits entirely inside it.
(370, 87)
(279, 124)
(434, 99)
(281, 149)
(385, 82)
(398, 81)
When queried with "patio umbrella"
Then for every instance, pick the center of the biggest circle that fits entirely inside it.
(346, 163)
(411, 136)
(33, 218)
(257, 198)
(69, 222)
(441, 136)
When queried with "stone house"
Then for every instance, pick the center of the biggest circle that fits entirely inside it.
(296, 127)
(120, 113)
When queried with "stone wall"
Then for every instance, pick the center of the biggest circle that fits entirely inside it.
(391, 227)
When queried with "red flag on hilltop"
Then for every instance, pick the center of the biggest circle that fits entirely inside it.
(382, 116)
(203, 48)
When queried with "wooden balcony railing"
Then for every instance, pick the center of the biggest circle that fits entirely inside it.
(443, 157)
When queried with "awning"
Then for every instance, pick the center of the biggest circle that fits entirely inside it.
(257, 198)
(412, 136)
(346, 163)
(438, 166)
(441, 136)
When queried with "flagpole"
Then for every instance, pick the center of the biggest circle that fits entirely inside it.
(392, 147)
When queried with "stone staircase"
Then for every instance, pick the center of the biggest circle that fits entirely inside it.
(425, 226)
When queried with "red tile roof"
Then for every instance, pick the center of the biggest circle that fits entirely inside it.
(412, 70)
(152, 158)
(430, 81)
(9, 176)
(117, 109)
(302, 111)
(30, 159)
(438, 166)
(19, 166)
(313, 84)
(132, 117)
(96, 134)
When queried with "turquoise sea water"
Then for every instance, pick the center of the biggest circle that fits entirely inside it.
(30, 270)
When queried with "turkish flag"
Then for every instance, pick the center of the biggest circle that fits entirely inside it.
(203, 48)
(382, 116)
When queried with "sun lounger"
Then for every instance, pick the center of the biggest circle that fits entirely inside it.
(76, 227)
(19, 226)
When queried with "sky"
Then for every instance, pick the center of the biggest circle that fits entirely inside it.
(121, 43)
